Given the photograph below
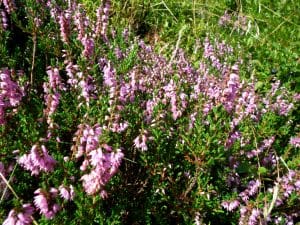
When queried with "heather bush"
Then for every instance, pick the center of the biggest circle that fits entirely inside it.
(98, 127)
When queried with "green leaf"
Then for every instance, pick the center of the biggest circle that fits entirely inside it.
(262, 170)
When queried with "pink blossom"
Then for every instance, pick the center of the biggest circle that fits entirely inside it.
(66, 192)
(230, 206)
(89, 45)
(21, 217)
(11, 93)
(3, 20)
(37, 160)
(64, 22)
(44, 201)
(225, 19)
(295, 141)
(9, 5)
(140, 142)
(253, 219)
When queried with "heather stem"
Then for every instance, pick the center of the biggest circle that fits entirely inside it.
(8, 185)
(33, 57)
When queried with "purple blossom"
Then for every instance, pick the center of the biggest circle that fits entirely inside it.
(10, 93)
(102, 160)
(254, 217)
(109, 75)
(89, 46)
(64, 22)
(81, 22)
(295, 141)
(44, 201)
(230, 206)
(3, 20)
(9, 5)
(233, 136)
(253, 187)
(140, 142)
(225, 19)
(37, 160)
(20, 217)
(66, 193)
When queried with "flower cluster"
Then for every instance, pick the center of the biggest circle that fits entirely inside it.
(239, 22)
(65, 25)
(295, 141)
(278, 99)
(140, 142)
(10, 93)
(102, 19)
(139, 104)
(9, 6)
(66, 193)
(21, 216)
(52, 95)
(44, 201)
(3, 20)
(100, 160)
(37, 160)
(284, 187)
(288, 184)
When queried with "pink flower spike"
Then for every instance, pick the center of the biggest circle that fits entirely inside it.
(40, 201)
(22, 217)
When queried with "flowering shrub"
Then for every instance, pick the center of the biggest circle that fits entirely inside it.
(111, 131)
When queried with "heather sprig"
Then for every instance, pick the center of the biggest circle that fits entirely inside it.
(136, 135)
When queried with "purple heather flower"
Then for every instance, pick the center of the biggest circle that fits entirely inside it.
(3, 20)
(9, 5)
(140, 142)
(89, 46)
(109, 75)
(253, 219)
(81, 22)
(233, 136)
(11, 92)
(37, 160)
(230, 206)
(295, 141)
(22, 217)
(253, 187)
(102, 161)
(64, 22)
(225, 19)
(66, 192)
(44, 202)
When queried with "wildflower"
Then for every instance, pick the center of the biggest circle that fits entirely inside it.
(253, 219)
(9, 5)
(44, 201)
(140, 142)
(20, 217)
(64, 22)
(3, 20)
(37, 160)
(89, 46)
(230, 206)
(11, 93)
(66, 192)
(253, 187)
(295, 141)
(225, 19)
